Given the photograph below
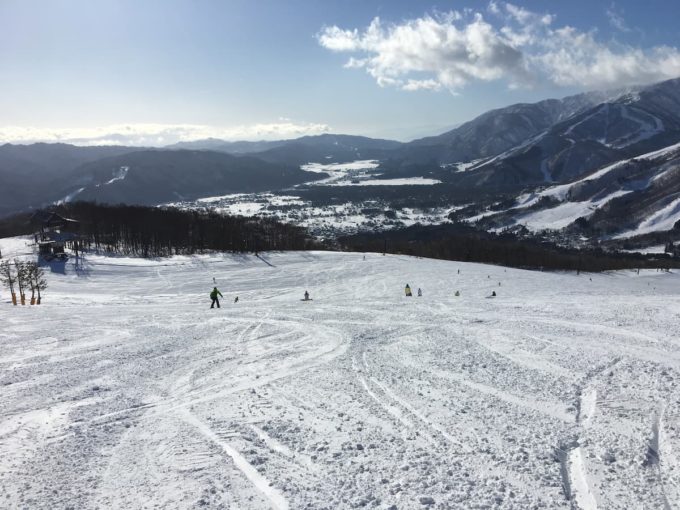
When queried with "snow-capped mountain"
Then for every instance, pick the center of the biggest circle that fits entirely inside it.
(626, 126)
(624, 199)
(499, 130)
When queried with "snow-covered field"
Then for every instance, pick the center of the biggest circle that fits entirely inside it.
(124, 390)
(407, 181)
(341, 174)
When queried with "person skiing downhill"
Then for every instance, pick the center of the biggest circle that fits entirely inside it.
(213, 296)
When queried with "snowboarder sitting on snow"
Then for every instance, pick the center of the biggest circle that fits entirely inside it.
(213, 296)
(306, 296)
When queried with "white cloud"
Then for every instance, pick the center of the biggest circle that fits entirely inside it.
(433, 45)
(576, 58)
(422, 85)
(616, 19)
(452, 50)
(156, 135)
(336, 39)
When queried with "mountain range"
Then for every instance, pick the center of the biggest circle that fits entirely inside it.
(519, 150)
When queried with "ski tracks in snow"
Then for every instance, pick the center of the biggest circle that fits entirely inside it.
(580, 490)
(390, 408)
(662, 459)
(399, 408)
(361, 398)
(577, 486)
(574, 469)
(275, 497)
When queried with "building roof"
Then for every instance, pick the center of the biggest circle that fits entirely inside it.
(50, 218)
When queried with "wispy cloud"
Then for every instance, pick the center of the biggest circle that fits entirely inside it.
(451, 50)
(156, 135)
(616, 19)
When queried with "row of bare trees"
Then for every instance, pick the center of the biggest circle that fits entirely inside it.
(461, 242)
(23, 276)
(164, 231)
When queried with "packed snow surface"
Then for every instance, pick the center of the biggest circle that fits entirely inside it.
(365, 164)
(342, 173)
(70, 196)
(406, 181)
(663, 219)
(124, 390)
(119, 175)
(565, 213)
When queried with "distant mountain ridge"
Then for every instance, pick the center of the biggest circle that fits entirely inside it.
(501, 129)
(238, 147)
(632, 124)
(156, 176)
(330, 148)
(519, 149)
(31, 175)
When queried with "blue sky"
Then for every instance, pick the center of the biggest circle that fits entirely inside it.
(155, 71)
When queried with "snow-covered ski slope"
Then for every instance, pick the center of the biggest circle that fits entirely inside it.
(124, 390)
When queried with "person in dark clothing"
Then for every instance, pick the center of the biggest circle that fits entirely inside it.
(213, 296)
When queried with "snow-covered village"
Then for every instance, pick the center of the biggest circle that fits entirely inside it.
(351, 254)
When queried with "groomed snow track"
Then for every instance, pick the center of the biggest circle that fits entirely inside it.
(124, 390)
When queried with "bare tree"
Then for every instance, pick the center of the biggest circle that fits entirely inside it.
(36, 275)
(28, 267)
(22, 279)
(8, 278)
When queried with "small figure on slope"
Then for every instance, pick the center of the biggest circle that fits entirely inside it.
(236, 299)
(213, 296)
(493, 294)
(420, 292)
(306, 296)
(407, 291)
(457, 293)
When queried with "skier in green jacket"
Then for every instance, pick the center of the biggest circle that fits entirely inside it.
(213, 296)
